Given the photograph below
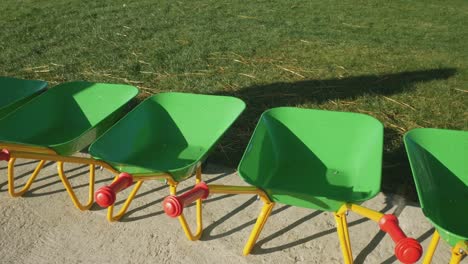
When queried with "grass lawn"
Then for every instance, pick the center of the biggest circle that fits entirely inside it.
(403, 62)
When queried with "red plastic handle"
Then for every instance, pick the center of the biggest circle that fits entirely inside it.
(4, 155)
(174, 205)
(407, 250)
(106, 195)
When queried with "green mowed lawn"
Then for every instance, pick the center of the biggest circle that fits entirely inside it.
(403, 62)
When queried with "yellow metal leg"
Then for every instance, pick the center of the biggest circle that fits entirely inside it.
(342, 229)
(11, 178)
(346, 234)
(183, 222)
(432, 247)
(123, 210)
(198, 175)
(173, 189)
(186, 228)
(261, 220)
(457, 253)
(264, 214)
(224, 189)
(70, 191)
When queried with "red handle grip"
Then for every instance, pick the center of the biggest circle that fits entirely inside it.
(106, 195)
(4, 155)
(174, 205)
(407, 250)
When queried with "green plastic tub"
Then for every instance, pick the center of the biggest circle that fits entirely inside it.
(313, 158)
(439, 162)
(15, 92)
(68, 117)
(167, 133)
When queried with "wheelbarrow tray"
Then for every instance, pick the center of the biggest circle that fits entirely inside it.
(167, 133)
(313, 158)
(15, 92)
(68, 117)
(439, 162)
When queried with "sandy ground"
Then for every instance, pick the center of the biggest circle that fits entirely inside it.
(45, 227)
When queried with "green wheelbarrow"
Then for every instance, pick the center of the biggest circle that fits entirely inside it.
(321, 160)
(439, 162)
(166, 137)
(58, 123)
(15, 92)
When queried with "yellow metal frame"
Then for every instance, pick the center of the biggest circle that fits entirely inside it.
(342, 226)
(225, 189)
(264, 213)
(110, 210)
(343, 236)
(11, 178)
(458, 251)
(432, 247)
(44, 154)
(139, 179)
(182, 220)
(340, 216)
(69, 188)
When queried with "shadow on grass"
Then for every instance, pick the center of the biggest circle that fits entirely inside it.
(396, 172)
(262, 97)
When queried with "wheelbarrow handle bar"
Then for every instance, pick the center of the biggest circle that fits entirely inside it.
(174, 205)
(107, 195)
(407, 250)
